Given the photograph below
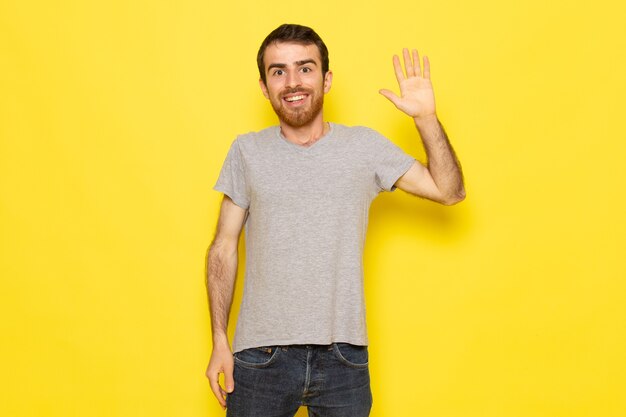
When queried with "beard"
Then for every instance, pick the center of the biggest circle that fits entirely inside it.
(300, 116)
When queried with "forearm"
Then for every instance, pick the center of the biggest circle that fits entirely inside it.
(220, 282)
(443, 164)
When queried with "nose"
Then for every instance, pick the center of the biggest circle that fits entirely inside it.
(293, 79)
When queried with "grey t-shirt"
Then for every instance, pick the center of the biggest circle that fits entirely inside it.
(308, 212)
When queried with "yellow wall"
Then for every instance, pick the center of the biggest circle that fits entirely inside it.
(116, 117)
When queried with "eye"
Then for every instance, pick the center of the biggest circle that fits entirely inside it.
(306, 69)
(279, 72)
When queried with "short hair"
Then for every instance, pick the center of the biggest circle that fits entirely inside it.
(294, 34)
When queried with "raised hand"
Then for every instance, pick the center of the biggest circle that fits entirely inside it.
(417, 98)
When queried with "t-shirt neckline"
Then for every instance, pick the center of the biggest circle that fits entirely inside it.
(307, 149)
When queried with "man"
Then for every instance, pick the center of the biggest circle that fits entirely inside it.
(303, 190)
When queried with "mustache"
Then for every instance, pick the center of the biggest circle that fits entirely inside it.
(295, 90)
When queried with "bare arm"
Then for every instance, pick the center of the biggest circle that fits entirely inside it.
(220, 282)
(442, 179)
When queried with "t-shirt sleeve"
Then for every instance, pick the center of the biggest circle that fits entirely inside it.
(389, 161)
(232, 178)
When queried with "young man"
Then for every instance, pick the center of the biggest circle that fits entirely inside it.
(303, 190)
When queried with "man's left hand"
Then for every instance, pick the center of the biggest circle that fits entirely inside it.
(417, 98)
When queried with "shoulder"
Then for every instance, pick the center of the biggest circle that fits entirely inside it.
(353, 130)
(358, 135)
(258, 135)
(254, 137)
(254, 141)
(366, 138)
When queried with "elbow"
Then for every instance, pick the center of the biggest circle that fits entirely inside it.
(222, 250)
(454, 198)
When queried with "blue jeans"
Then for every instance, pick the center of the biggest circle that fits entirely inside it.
(274, 381)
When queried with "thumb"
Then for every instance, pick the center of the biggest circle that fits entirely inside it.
(229, 381)
(391, 96)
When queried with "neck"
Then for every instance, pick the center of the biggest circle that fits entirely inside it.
(305, 135)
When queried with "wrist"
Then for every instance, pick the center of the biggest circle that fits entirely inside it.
(423, 121)
(220, 340)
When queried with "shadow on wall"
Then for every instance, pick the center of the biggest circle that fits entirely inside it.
(423, 218)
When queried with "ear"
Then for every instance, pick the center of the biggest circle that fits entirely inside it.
(328, 80)
(264, 89)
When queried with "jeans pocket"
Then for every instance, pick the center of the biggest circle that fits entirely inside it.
(355, 356)
(257, 357)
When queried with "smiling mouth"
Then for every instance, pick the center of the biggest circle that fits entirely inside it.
(295, 98)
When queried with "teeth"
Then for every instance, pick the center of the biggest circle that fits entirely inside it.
(295, 98)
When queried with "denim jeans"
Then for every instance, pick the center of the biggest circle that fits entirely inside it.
(274, 381)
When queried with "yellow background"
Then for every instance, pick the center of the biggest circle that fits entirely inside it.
(116, 117)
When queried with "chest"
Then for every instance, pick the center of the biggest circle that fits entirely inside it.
(308, 180)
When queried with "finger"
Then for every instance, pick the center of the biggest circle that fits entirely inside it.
(398, 69)
(217, 390)
(229, 381)
(416, 63)
(426, 67)
(408, 65)
(391, 96)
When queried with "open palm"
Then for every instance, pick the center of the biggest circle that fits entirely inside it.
(417, 98)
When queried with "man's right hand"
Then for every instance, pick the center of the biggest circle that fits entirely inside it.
(221, 362)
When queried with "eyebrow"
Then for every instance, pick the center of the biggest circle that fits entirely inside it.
(298, 63)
